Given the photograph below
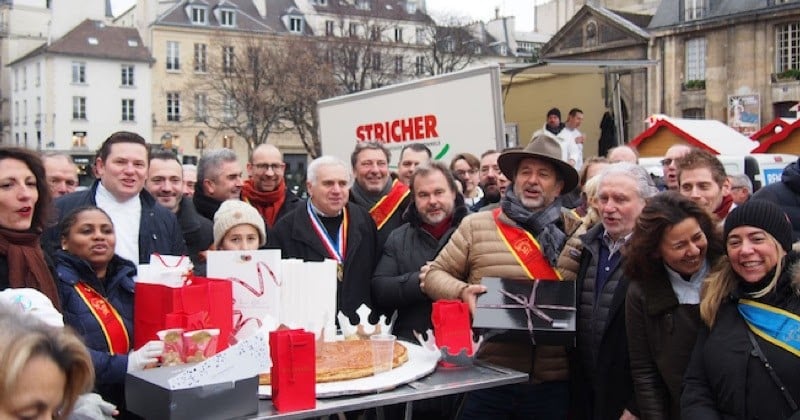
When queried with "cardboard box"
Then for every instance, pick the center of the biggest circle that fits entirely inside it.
(148, 394)
(501, 312)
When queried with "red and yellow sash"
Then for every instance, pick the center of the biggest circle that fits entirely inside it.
(385, 208)
(526, 250)
(109, 319)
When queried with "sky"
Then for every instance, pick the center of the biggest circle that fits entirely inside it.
(471, 9)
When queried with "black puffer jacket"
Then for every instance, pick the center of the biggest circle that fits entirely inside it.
(725, 380)
(786, 194)
(395, 285)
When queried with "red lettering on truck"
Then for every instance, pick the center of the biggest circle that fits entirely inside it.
(419, 127)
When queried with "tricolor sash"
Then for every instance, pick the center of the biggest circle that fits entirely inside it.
(779, 327)
(526, 250)
(387, 206)
(109, 319)
(338, 247)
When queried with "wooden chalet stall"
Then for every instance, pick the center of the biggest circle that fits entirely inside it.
(711, 135)
(786, 141)
(774, 127)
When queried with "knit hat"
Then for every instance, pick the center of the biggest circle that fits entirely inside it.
(33, 302)
(554, 111)
(233, 213)
(763, 215)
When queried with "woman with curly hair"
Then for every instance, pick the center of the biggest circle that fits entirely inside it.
(673, 246)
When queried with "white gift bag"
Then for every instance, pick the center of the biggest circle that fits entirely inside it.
(257, 281)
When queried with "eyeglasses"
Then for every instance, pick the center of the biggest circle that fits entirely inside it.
(264, 167)
(462, 173)
(667, 161)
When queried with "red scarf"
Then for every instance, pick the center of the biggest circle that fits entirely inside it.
(438, 230)
(724, 207)
(26, 264)
(267, 203)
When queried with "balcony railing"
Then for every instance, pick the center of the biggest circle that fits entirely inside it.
(790, 75)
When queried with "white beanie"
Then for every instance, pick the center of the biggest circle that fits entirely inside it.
(233, 213)
(34, 302)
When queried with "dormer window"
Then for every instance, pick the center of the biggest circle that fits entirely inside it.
(694, 9)
(92, 40)
(295, 25)
(227, 18)
(411, 7)
(320, 2)
(363, 5)
(199, 15)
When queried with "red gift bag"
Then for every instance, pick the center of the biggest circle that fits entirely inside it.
(200, 303)
(452, 326)
(294, 375)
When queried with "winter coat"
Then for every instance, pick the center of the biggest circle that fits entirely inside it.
(198, 232)
(602, 368)
(394, 221)
(476, 250)
(786, 194)
(117, 289)
(395, 285)
(725, 379)
(295, 237)
(661, 336)
(159, 231)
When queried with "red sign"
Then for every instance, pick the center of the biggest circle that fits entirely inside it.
(413, 128)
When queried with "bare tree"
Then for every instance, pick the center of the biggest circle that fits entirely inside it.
(239, 91)
(450, 47)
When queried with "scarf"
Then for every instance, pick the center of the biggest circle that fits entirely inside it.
(541, 224)
(206, 205)
(366, 199)
(438, 230)
(268, 203)
(724, 207)
(27, 266)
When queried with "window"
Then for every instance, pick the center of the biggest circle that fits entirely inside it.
(419, 65)
(420, 35)
(16, 80)
(78, 107)
(296, 25)
(127, 75)
(320, 2)
(227, 59)
(329, 28)
(398, 64)
(38, 74)
(78, 72)
(200, 107)
(173, 56)
(227, 18)
(411, 7)
(25, 112)
(695, 59)
(353, 29)
(228, 109)
(398, 34)
(38, 110)
(363, 5)
(173, 106)
(694, 114)
(376, 61)
(24, 78)
(200, 60)
(16, 112)
(199, 15)
(694, 9)
(375, 33)
(127, 110)
(787, 42)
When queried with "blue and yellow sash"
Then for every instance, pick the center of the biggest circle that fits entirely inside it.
(779, 327)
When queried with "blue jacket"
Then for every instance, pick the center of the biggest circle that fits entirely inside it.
(118, 291)
(159, 230)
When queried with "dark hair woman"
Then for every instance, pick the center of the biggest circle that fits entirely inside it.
(745, 362)
(96, 290)
(673, 247)
(24, 210)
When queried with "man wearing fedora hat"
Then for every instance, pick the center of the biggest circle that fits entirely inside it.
(531, 211)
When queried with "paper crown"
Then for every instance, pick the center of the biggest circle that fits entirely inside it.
(460, 359)
(364, 329)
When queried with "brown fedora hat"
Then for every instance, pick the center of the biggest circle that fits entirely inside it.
(542, 147)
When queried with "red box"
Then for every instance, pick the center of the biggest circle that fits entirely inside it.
(293, 372)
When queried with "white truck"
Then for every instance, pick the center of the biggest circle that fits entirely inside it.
(450, 114)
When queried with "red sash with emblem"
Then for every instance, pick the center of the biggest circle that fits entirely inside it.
(526, 250)
(386, 206)
(109, 319)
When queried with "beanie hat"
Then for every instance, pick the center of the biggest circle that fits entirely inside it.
(33, 302)
(763, 215)
(233, 213)
(554, 111)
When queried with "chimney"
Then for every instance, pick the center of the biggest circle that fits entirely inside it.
(497, 12)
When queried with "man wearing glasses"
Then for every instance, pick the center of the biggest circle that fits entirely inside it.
(670, 164)
(266, 188)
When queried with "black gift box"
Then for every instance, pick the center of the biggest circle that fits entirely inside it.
(147, 394)
(505, 311)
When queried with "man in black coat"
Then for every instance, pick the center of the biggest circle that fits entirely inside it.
(437, 209)
(219, 178)
(330, 227)
(141, 225)
(785, 194)
(165, 183)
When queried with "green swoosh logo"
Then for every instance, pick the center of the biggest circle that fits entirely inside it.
(443, 151)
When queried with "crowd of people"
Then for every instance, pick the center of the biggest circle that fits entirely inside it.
(687, 301)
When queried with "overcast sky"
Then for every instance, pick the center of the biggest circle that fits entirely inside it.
(471, 9)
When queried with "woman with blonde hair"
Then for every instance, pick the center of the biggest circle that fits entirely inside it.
(745, 361)
(43, 368)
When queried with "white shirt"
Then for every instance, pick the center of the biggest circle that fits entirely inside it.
(575, 150)
(687, 292)
(126, 216)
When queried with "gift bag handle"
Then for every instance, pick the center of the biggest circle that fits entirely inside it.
(164, 263)
(260, 291)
